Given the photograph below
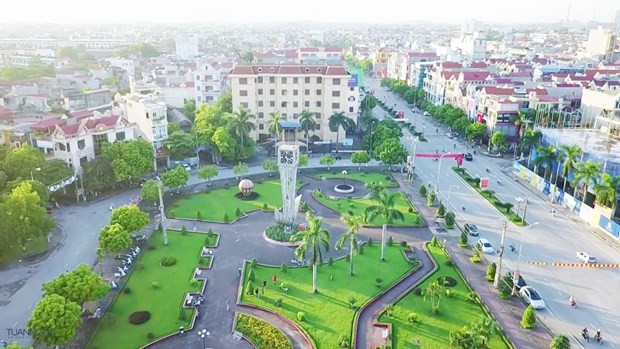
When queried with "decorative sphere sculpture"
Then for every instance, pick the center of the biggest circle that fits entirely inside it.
(245, 187)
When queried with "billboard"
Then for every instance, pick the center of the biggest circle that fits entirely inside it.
(358, 74)
(484, 183)
(352, 81)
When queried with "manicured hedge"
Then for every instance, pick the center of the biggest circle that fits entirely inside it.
(261, 333)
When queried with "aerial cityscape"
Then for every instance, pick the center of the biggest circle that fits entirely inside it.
(318, 176)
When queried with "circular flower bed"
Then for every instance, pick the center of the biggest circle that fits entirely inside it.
(447, 281)
(167, 261)
(344, 189)
(139, 317)
(251, 197)
(278, 232)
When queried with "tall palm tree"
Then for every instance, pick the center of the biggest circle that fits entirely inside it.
(313, 238)
(545, 157)
(607, 191)
(385, 209)
(307, 124)
(338, 120)
(528, 141)
(375, 190)
(572, 152)
(240, 124)
(484, 329)
(274, 123)
(434, 291)
(587, 172)
(353, 223)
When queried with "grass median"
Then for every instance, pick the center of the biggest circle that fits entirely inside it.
(366, 178)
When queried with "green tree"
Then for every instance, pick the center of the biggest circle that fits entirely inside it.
(175, 178)
(208, 119)
(240, 124)
(498, 139)
(572, 153)
(338, 120)
(274, 124)
(528, 321)
(391, 152)
(433, 292)
(380, 133)
(462, 124)
(224, 103)
(587, 172)
(491, 269)
(528, 141)
(240, 169)
(208, 172)
(307, 124)
(114, 239)
(98, 174)
(130, 217)
(54, 321)
(450, 219)
(150, 190)
(360, 157)
(130, 159)
(23, 217)
(78, 286)
(15, 345)
(180, 145)
(385, 208)
(475, 131)
(146, 50)
(607, 191)
(270, 165)
(189, 109)
(21, 162)
(173, 127)
(53, 171)
(560, 341)
(225, 142)
(41, 189)
(353, 224)
(327, 160)
(545, 157)
(316, 239)
(303, 160)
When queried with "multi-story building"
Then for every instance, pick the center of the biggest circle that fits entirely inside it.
(601, 42)
(418, 73)
(93, 99)
(617, 19)
(211, 80)
(319, 55)
(149, 113)
(599, 102)
(436, 78)
(126, 64)
(290, 89)
(472, 44)
(186, 47)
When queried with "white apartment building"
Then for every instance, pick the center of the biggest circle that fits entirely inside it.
(186, 47)
(149, 113)
(126, 64)
(81, 142)
(601, 42)
(320, 55)
(290, 89)
(597, 102)
(211, 80)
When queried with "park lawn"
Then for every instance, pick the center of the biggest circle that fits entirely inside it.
(164, 303)
(372, 177)
(454, 313)
(328, 314)
(32, 248)
(213, 205)
(359, 205)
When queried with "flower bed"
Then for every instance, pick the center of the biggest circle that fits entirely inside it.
(261, 333)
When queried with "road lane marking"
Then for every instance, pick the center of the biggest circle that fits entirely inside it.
(30, 307)
(15, 324)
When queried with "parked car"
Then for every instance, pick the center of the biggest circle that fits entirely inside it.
(469, 157)
(520, 282)
(586, 257)
(485, 246)
(531, 296)
(471, 229)
(187, 167)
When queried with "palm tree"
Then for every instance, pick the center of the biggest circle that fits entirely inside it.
(354, 223)
(484, 329)
(274, 123)
(572, 152)
(307, 124)
(434, 291)
(587, 172)
(545, 157)
(607, 191)
(314, 238)
(531, 139)
(375, 190)
(240, 124)
(338, 120)
(384, 208)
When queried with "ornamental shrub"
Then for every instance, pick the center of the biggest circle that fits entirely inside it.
(491, 269)
(423, 192)
(390, 241)
(301, 316)
(528, 321)
(168, 261)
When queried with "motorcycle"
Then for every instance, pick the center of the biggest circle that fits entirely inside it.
(599, 338)
(585, 335)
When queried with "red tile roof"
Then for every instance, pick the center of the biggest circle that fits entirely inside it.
(519, 74)
(421, 54)
(538, 91)
(450, 65)
(503, 81)
(332, 49)
(81, 113)
(567, 85)
(547, 99)
(479, 65)
(308, 49)
(498, 91)
(190, 84)
(47, 124)
(6, 114)
(580, 78)
(447, 75)
(592, 72)
(90, 124)
(473, 76)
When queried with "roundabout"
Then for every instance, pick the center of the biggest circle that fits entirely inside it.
(344, 188)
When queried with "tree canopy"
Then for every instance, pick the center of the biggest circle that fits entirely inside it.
(54, 321)
(130, 217)
(78, 286)
(130, 159)
(113, 239)
(175, 178)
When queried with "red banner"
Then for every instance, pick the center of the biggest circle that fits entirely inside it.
(457, 156)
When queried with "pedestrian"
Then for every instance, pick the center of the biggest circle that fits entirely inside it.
(194, 227)
(454, 145)
(275, 278)
(181, 330)
(552, 212)
(227, 305)
(256, 293)
(111, 207)
(239, 271)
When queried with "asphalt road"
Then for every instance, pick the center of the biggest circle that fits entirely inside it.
(552, 239)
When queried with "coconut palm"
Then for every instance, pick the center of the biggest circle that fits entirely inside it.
(375, 190)
(307, 123)
(338, 120)
(384, 208)
(353, 223)
(531, 139)
(587, 172)
(484, 329)
(314, 238)
(607, 191)
(274, 123)
(240, 124)
(545, 157)
(572, 152)
(434, 291)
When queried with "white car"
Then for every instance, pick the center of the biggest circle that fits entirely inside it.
(531, 296)
(485, 246)
(586, 257)
(187, 167)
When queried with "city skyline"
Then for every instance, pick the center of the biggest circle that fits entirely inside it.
(243, 11)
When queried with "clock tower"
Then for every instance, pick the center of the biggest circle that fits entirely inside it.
(288, 162)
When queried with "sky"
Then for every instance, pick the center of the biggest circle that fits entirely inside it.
(369, 11)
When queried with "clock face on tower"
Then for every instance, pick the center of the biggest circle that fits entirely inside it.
(286, 157)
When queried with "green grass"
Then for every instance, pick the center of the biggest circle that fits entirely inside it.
(328, 313)
(433, 331)
(32, 248)
(372, 177)
(164, 303)
(215, 204)
(359, 205)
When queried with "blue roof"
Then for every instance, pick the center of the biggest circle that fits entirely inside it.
(289, 124)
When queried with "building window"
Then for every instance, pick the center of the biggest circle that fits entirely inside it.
(284, 92)
(295, 80)
(283, 104)
(81, 144)
(351, 89)
(261, 115)
(319, 80)
(336, 81)
(209, 99)
(318, 104)
(295, 92)
(350, 109)
(209, 77)
(284, 115)
(197, 77)
(260, 91)
(272, 80)
(198, 88)
(295, 104)
(260, 103)
(307, 92)
(261, 126)
(272, 103)
(120, 136)
(284, 80)
(318, 115)
(317, 127)
(243, 81)
(98, 142)
(318, 92)
(243, 93)
(199, 98)
(335, 93)
(335, 105)
(260, 79)
(307, 104)
(272, 92)
(307, 80)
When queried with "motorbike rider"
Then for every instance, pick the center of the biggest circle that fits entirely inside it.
(597, 336)
(571, 300)
(585, 334)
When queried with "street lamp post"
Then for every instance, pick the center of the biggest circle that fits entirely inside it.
(498, 271)
(450, 190)
(414, 143)
(525, 201)
(38, 169)
(344, 178)
(203, 334)
(162, 214)
(515, 275)
(439, 172)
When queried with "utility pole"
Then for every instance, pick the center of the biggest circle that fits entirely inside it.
(161, 211)
(414, 144)
(498, 271)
